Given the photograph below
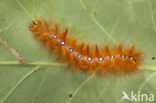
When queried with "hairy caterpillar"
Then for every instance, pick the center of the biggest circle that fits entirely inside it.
(116, 60)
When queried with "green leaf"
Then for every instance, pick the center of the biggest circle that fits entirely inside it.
(45, 80)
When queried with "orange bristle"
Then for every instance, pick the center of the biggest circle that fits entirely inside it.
(116, 60)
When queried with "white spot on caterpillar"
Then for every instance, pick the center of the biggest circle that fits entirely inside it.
(71, 50)
(55, 36)
(89, 58)
(112, 57)
(80, 56)
(100, 59)
(62, 42)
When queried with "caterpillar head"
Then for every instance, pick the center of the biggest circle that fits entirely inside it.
(35, 25)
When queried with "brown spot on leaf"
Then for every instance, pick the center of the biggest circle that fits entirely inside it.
(153, 58)
(70, 95)
(42, 68)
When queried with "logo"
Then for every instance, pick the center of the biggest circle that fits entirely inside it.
(137, 96)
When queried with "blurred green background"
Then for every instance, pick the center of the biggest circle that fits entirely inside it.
(93, 21)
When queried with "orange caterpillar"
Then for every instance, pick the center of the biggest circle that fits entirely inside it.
(116, 60)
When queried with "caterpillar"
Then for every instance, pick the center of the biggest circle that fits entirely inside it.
(116, 60)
